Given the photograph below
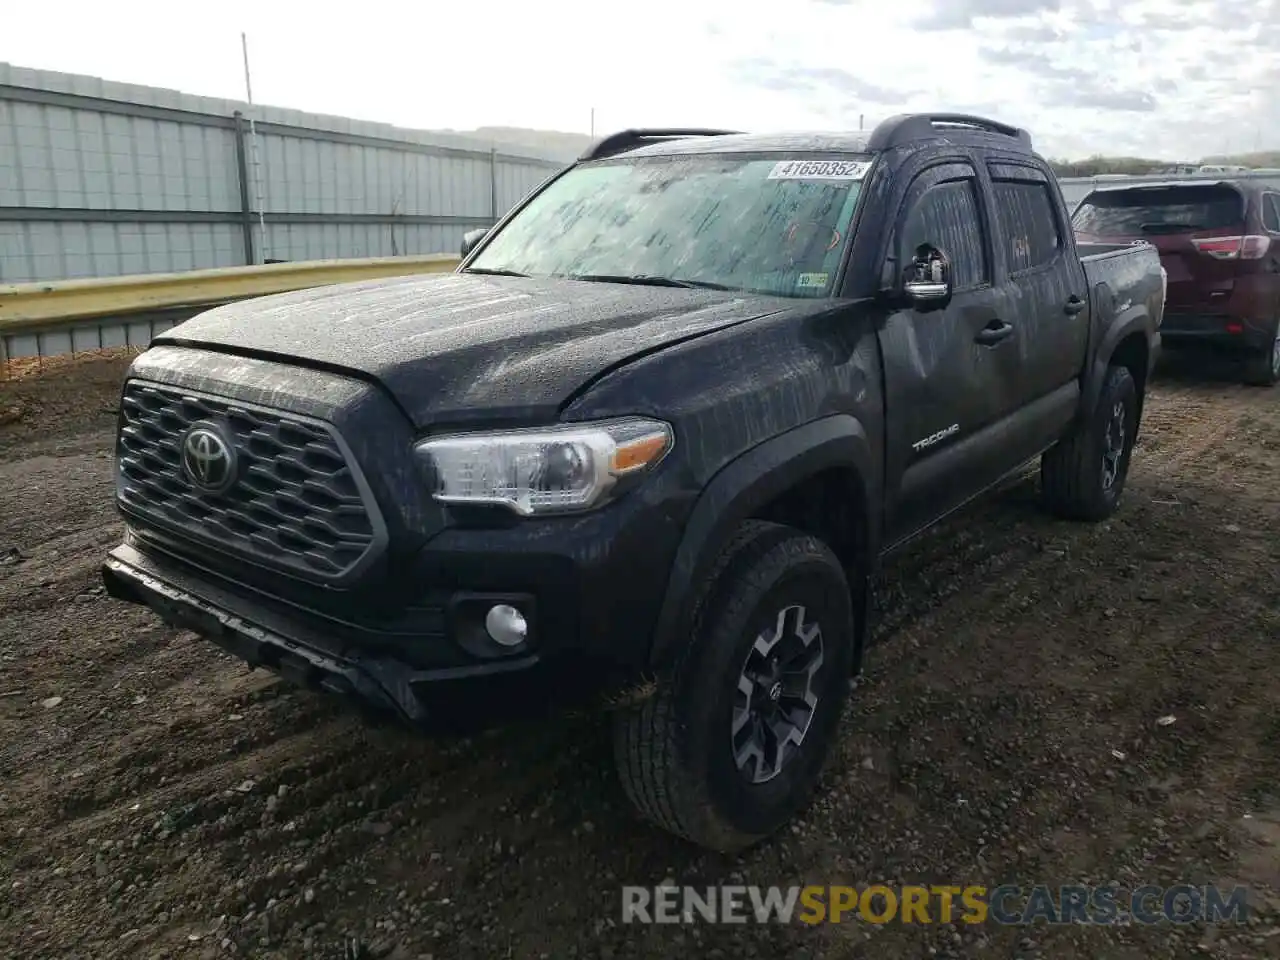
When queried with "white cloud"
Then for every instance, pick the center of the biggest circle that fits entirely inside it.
(1150, 77)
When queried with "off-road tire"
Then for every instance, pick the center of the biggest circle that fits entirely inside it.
(1071, 472)
(674, 751)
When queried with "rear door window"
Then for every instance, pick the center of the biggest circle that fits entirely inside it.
(1028, 225)
(1151, 211)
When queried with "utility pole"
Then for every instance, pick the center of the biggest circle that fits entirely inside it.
(253, 147)
(593, 121)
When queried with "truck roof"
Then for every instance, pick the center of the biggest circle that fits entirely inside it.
(896, 131)
(752, 142)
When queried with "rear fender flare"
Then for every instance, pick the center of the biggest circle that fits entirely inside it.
(742, 487)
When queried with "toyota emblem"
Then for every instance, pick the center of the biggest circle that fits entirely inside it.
(208, 458)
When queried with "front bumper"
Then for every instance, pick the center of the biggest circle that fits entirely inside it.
(412, 615)
(415, 635)
(302, 655)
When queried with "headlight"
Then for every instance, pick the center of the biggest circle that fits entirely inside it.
(561, 469)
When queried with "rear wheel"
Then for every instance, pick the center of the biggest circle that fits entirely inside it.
(1263, 370)
(733, 743)
(1083, 475)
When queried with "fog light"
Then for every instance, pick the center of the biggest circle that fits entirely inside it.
(506, 625)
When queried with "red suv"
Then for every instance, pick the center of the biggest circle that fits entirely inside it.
(1219, 241)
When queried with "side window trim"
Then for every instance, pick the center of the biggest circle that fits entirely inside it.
(932, 177)
(1013, 170)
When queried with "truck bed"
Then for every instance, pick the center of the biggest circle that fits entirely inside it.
(1120, 277)
(1130, 273)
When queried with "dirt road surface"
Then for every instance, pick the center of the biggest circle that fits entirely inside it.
(156, 800)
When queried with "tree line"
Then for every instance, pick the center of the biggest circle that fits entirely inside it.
(1099, 165)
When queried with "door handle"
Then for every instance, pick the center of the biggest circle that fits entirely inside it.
(1074, 305)
(994, 332)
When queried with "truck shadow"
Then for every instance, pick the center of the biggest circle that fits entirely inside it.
(1192, 368)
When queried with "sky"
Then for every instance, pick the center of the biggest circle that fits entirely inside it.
(1172, 80)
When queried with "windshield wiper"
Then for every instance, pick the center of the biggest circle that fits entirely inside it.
(646, 280)
(495, 272)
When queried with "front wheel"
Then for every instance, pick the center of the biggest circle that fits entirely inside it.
(734, 741)
(1083, 475)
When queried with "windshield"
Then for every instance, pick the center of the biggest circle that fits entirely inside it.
(775, 226)
(1135, 213)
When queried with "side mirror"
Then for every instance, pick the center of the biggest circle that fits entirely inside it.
(471, 238)
(927, 282)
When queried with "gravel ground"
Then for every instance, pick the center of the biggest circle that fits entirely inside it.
(157, 800)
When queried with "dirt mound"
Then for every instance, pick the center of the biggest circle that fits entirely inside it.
(51, 398)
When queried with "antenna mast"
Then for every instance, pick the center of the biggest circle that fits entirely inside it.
(253, 149)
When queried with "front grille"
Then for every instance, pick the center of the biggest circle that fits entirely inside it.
(296, 503)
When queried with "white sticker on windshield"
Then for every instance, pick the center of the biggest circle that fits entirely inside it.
(819, 170)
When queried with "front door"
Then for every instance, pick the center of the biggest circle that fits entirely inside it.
(951, 372)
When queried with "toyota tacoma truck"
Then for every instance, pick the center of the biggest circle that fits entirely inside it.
(665, 420)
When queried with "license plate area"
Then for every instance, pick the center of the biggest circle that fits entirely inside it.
(187, 617)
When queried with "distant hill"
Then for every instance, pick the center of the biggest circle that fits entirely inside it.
(552, 141)
(1095, 166)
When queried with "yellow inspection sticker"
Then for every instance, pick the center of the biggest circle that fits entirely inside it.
(812, 280)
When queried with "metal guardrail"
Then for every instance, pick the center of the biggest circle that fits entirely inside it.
(73, 316)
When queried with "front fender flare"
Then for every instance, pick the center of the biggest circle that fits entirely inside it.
(746, 484)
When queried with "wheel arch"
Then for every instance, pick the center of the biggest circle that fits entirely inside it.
(820, 477)
(1129, 343)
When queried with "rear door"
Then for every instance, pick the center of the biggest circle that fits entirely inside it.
(1199, 229)
(1045, 290)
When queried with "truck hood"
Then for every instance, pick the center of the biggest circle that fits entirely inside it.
(455, 347)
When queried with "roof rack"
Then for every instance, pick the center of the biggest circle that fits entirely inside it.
(630, 139)
(909, 127)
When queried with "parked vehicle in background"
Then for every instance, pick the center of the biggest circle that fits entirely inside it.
(665, 419)
(1219, 242)
(1222, 168)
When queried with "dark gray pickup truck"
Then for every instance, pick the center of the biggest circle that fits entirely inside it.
(664, 421)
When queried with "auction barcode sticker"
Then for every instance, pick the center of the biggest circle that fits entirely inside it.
(819, 170)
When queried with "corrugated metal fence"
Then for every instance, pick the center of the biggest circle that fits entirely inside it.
(103, 179)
